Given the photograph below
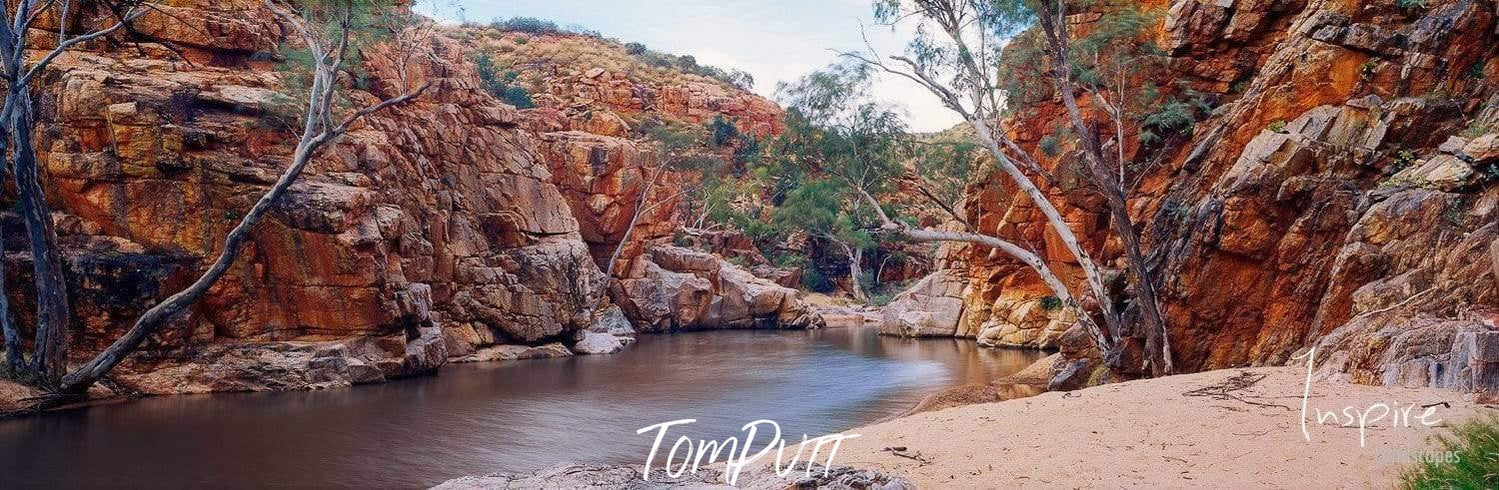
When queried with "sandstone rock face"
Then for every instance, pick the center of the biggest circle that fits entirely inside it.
(689, 100)
(603, 178)
(1359, 225)
(673, 288)
(930, 308)
(1030, 322)
(432, 230)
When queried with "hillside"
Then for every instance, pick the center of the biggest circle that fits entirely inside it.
(578, 73)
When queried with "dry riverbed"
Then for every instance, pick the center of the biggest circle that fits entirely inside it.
(1200, 430)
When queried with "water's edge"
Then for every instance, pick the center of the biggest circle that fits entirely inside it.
(513, 416)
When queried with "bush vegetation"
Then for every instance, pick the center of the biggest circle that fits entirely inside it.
(582, 47)
(1468, 457)
(502, 84)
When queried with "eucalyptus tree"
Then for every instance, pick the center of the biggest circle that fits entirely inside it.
(1106, 68)
(332, 32)
(843, 141)
(957, 55)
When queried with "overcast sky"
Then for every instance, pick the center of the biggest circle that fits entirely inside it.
(774, 40)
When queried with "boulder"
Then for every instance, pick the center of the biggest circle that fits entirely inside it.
(1483, 149)
(671, 288)
(1442, 172)
(929, 308)
(606, 123)
(510, 352)
(591, 342)
(612, 321)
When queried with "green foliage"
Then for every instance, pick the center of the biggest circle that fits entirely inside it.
(881, 299)
(1411, 4)
(1367, 70)
(1466, 459)
(367, 23)
(689, 64)
(722, 131)
(1406, 181)
(502, 85)
(1051, 303)
(1405, 158)
(1277, 127)
(1174, 116)
(789, 259)
(528, 25)
(814, 280)
(1050, 145)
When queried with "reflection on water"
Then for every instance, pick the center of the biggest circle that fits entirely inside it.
(476, 419)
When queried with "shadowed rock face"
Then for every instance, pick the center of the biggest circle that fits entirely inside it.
(1360, 221)
(430, 231)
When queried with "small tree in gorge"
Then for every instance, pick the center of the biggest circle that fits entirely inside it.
(1109, 83)
(332, 32)
(835, 130)
(961, 77)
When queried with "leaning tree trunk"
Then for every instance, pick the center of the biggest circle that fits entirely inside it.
(51, 350)
(640, 209)
(1064, 232)
(101, 364)
(1142, 284)
(1029, 258)
(980, 82)
(1141, 281)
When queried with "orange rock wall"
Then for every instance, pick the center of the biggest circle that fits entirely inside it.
(1263, 240)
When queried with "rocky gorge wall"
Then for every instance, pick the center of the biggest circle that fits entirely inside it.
(1341, 195)
(454, 227)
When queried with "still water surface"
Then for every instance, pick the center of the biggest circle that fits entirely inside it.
(474, 419)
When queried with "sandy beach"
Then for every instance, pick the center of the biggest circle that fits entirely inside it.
(1191, 430)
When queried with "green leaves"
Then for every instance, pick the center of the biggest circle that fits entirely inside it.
(502, 85)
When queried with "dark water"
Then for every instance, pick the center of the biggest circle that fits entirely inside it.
(475, 419)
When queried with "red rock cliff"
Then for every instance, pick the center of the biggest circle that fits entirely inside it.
(1361, 221)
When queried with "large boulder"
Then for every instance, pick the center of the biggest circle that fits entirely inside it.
(1023, 320)
(930, 308)
(673, 288)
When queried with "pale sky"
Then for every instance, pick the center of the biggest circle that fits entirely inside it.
(774, 40)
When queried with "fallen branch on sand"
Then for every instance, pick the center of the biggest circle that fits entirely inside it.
(1226, 390)
(901, 451)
